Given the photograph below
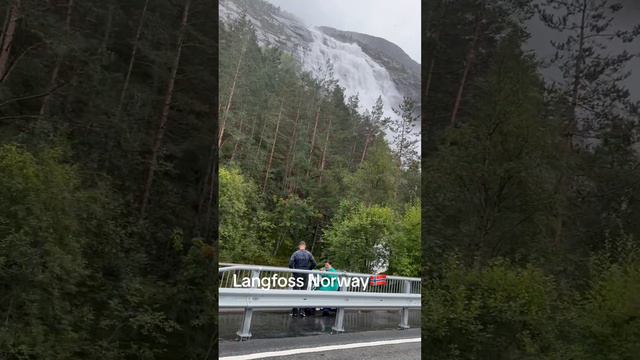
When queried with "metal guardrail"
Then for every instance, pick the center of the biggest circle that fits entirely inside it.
(399, 292)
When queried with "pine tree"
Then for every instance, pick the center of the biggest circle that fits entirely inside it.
(405, 140)
(592, 78)
(490, 189)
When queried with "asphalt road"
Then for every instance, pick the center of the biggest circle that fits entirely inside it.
(409, 351)
(377, 345)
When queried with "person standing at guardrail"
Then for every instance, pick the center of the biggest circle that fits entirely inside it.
(330, 282)
(303, 260)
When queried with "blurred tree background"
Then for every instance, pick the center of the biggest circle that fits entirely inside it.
(107, 125)
(530, 186)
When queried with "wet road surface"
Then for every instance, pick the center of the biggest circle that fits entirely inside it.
(362, 345)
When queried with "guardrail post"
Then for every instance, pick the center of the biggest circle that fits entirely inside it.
(309, 281)
(338, 326)
(404, 314)
(245, 329)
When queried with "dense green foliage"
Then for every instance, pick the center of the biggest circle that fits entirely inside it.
(299, 161)
(359, 237)
(495, 312)
(530, 189)
(106, 194)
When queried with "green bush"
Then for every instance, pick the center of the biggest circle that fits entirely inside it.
(494, 312)
(607, 319)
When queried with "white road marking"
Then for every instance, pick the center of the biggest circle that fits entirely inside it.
(263, 355)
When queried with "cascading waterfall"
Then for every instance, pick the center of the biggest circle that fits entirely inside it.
(353, 68)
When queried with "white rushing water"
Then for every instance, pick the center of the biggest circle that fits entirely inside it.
(353, 68)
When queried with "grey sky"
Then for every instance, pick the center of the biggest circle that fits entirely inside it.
(541, 37)
(397, 21)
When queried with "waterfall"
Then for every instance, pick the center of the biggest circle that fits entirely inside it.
(354, 70)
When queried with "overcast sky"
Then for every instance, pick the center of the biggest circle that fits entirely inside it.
(397, 21)
(541, 37)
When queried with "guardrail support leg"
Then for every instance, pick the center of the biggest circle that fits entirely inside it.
(404, 313)
(338, 326)
(245, 329)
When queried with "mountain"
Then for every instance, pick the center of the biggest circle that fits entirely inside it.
(363, 64)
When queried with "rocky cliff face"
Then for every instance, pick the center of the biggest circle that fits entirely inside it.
(363, 64)
(274, 27)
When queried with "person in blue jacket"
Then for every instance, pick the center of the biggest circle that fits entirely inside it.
(303, 260)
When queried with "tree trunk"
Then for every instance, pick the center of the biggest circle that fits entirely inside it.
(577, 77)
(471, 57)
(313, 136)
(205, 191)
(315, 234)
(5, 24)
(209, 176)
(324, 152)
(291, 153)
(353, 154)
(132, 59)
(313, 139)
(278, 243)
(212, 188)
(427, 85)
(7, 37)
(403, 140)
(164, 115)
(58, 65)
(366, 146)
(571, 128)
(273, 149)
(127, 78)
(225, 116)
(253, 128)
(433, 33)
(235, 147)
(264, 125)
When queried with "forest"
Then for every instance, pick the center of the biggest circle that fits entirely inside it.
(301, 161)
(530, 185)
(107, 139)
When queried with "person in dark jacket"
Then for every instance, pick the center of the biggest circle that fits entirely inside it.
(303, 260)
